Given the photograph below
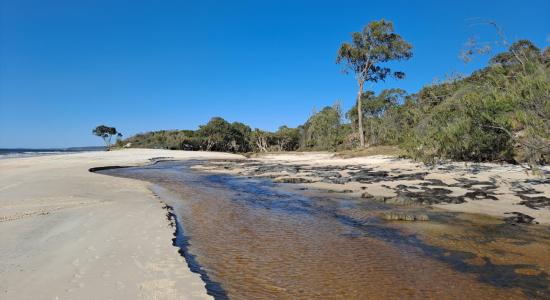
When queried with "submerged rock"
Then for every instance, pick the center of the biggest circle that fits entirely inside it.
(293, 180)
(519, 218)
(400, 216)
(340, 191)
(366, 195)
(379, 198)
(336, 180)
(400, 200)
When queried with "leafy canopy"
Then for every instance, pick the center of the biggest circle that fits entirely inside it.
(103, 130)
(521, 52)
(106, 133)
(375, 45)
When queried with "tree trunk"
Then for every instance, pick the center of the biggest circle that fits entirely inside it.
(261, 143)
(360, 115)
(107, 144)
(209, 145)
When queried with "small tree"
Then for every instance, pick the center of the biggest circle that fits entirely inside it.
(106, 133)
(375, 45)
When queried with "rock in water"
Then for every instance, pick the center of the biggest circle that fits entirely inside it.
(366, 195)
(292, 180)
(422, 217)
(400, 200)
(380, 198)
(399, 216)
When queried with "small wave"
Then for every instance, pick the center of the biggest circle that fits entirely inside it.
(32, 154)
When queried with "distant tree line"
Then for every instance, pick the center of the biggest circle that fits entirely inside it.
(498, 113)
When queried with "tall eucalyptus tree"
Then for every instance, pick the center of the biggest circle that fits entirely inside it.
(365, 55)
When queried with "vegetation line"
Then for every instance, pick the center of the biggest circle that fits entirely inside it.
(498, 113)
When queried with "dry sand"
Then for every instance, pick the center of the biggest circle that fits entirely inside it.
(67, 233)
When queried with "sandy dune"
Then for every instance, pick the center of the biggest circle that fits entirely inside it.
(67, 233)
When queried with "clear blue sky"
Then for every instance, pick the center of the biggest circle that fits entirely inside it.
(67, 66)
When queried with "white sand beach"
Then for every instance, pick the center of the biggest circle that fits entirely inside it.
(67, 233)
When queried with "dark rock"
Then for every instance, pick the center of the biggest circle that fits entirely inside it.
(369, 176)
(429, 195)
(340, 191)
(519, 218)
(410, 176)
(536, 202)
(338, 180)
(366, 195)
(479, 194)
(469, 183)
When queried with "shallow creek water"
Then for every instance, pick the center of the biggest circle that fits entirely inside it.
(253, 239)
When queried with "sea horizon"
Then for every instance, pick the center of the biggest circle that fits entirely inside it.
(29, 152)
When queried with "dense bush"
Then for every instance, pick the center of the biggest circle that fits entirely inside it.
(323, 130)
(499, 113)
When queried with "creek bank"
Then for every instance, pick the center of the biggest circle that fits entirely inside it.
(491, 189)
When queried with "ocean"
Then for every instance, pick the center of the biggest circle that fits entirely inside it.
(27, 152)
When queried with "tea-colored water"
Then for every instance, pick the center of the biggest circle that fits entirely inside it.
(261, 241)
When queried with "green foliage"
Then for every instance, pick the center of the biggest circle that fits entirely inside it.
(166, 139)
(220, 135)
(284, 139)
(216, 135)
(287, 139)
(522, 51)
(323, 130)
(546, 57)
(382, 116)
(501, 112)
(369, 50)
(498, 113)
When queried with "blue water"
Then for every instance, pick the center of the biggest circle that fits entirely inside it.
(26, 152)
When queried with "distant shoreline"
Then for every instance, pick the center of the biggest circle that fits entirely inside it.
(57, 217)
(6, 153)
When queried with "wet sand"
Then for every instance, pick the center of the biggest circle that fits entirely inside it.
(67, 233)
(257, 239)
